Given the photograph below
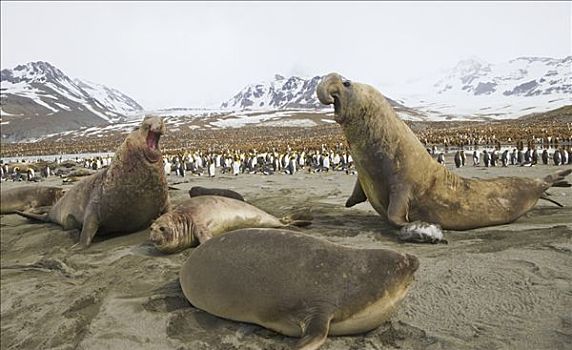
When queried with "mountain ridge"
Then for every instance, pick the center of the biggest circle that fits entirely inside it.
(37, 99)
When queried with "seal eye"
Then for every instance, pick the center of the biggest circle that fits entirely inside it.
(347, 83)
(162, 228)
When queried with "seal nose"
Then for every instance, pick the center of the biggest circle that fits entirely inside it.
(155, 237)
(327, 88)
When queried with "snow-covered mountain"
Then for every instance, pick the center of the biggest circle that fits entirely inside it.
(293, 94)
(38, 98)
(280, 93)
(506, 90)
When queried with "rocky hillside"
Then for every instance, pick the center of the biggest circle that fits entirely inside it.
(39, 99)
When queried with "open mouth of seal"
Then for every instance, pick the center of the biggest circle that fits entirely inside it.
(337, 110)
(153, 140)
(336, 105)
(152, 152)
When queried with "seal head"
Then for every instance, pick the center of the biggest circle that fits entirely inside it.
(342, 93)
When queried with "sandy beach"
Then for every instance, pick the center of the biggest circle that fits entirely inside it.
(503, 287)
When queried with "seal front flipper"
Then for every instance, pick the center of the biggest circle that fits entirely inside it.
(357, 196)
(70, 223)
(300, 219)
(89, 229)
(418, 231)
(315, 331)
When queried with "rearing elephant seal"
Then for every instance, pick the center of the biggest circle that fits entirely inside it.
(198, 219)
(125, 197)
(295, 284)
(403, 183)
(26, 197)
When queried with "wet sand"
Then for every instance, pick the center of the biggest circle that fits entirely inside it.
(503, 287)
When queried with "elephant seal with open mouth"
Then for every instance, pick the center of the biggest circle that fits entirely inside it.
(125, 197)
(404, 184)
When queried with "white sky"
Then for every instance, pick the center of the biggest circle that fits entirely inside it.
(182, 54)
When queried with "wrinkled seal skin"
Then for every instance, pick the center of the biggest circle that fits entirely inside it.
(198, 219)
(125, 197)
(295, 284)
(197, 191)
(401, 180)
(27, 197)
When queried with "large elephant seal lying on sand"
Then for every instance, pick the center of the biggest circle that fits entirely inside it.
(296, 284)
(27, 197)
(125, 197)
(403, 183)
(198, 219)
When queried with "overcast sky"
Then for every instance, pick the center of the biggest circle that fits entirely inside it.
(167, 54)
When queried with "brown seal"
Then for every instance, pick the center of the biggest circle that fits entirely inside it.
(198, 219)
(27, 197)
(124, 197)
(403, 183)
(295, 284)
(197, 191)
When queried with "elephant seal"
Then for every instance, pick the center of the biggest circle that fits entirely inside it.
(27, 197)
(295, 284)
(124, 197)
(197, 191)
(198, 219)
(404, 184)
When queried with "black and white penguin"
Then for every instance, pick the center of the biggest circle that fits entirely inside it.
(486, 158)
(557, 157)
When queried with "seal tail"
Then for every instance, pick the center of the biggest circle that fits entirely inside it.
(545, 197)
(297, 219)
(38, 217)
(558, 179)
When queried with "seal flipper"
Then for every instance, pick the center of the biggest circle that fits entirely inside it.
(300, 219)
(70, 223)
(357, 196)
(89, 229)
(29, 215)
(545, 197)
(558, 179)
(315, 331)
(202, 235)
(418, 231)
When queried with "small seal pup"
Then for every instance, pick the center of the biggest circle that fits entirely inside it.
(124, 197)
(388, 157)
(295, 284)
(198, 219)
(27, 197)
(197, 191)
